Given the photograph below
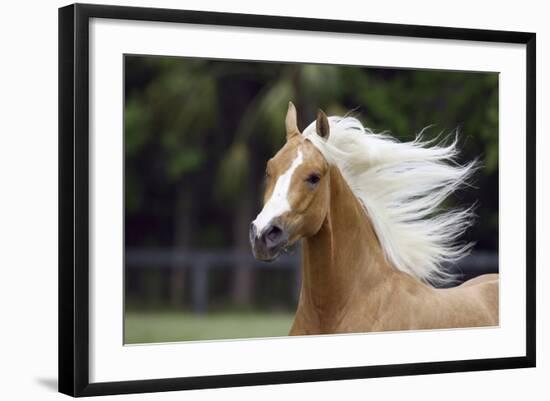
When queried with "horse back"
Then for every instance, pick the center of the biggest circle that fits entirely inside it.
(486, 287)
(480, 279)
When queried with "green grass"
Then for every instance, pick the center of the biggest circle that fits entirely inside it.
(150, 327)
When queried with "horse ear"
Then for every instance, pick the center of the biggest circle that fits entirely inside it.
(291, 121)
(321, 125)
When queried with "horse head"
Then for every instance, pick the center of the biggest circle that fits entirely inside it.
(296, 196)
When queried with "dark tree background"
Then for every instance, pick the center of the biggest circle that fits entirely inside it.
(197, 136)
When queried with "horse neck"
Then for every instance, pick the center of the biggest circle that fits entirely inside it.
(344, 255)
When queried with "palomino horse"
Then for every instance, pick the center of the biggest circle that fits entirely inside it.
(373, 238)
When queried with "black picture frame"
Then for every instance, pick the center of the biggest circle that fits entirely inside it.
(74, 198)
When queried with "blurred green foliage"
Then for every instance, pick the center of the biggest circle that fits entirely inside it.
(198, 133)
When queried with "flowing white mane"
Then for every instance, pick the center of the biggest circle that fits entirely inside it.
(402, 185)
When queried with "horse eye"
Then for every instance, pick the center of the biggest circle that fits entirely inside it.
(313, 179)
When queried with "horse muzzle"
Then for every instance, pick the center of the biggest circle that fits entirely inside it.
(267, 245)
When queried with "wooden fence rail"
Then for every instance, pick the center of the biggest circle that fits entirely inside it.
(200, 263)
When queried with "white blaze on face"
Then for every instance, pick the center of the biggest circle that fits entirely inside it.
(278, 203)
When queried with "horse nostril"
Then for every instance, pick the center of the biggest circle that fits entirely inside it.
(273, 234)
(252, 230)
